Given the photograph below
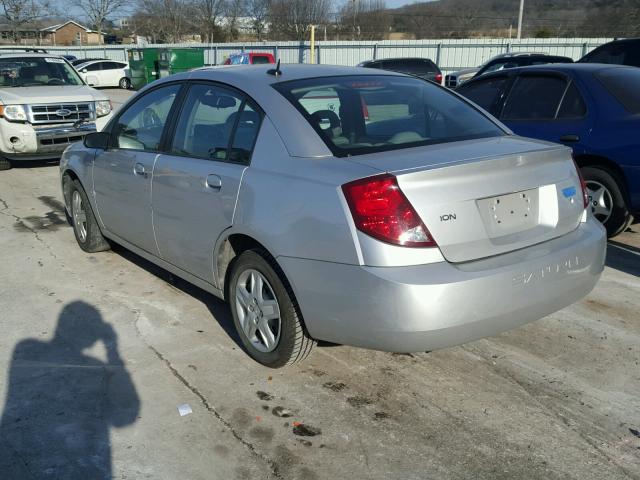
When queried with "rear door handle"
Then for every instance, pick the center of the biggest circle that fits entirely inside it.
(570, 138)
(214, 182)
(138, 169)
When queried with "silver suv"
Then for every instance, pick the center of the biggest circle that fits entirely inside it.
(44, 107)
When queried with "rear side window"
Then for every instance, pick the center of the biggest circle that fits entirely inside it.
(534, 97)
(364, 114)
(608, 54)
(484, 92)
(622, 83)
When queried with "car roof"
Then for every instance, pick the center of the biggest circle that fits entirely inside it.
(28, 54)
(578, 68)
(395, 59)
(241, 74)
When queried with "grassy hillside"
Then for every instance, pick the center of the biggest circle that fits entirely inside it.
(542, 18)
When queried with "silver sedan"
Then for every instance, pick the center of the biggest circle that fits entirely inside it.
(348, 205)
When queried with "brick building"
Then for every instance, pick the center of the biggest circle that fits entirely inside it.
(70, 33)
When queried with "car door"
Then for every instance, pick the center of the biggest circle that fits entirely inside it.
(92, 74)
(122, 174)
(111, 73)
(196, 182)
(548, 106)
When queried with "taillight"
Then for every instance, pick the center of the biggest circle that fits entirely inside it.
(380, 209)
(583, 186)
(438, 78)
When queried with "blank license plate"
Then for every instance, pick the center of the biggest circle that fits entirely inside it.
(510, 213)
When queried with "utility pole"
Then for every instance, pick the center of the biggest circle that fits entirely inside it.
(355, 7)
(520, 19)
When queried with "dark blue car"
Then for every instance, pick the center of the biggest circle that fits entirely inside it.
(593, 108)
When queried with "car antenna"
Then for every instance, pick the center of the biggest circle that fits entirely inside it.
(275, 71)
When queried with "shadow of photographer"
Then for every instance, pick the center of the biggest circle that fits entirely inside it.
(61, 402)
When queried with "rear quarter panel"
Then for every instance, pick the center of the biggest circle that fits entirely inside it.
(293, 205)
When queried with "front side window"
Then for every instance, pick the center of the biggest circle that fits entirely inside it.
(36, 71)
(214, 119)
(140, 127)
(363, 114)
(534, 97)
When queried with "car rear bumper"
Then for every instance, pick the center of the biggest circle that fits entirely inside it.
(426, 307)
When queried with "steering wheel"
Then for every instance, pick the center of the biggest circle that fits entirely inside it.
(55, 81)
(323, 115)
(150, 118)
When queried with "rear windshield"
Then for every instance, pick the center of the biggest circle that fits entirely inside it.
(622, 83)
(257, 59)
(363, 114)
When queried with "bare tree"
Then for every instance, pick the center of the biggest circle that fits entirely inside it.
(163, 20)
(234, 9)
(97, 11)
(19, 13)
(292, 19)
(206, 17)
(258, 11)
(365, 20)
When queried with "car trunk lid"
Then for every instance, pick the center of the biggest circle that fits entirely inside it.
(486, 197)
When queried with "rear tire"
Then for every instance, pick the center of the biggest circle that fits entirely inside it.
(254, 310)
(607, 199)
(124, 83)
(5, 164)
(85, 225)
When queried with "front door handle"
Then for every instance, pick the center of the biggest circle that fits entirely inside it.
(214, 182)
(570, 138)
(138, 169)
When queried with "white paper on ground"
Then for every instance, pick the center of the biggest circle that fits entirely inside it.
(184, 409)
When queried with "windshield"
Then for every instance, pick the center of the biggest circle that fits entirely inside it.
(36, 71)
(363, 114)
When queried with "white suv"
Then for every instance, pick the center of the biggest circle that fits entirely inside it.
(44, 107)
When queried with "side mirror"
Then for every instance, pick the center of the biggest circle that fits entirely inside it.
(97, 140)
(84, 70)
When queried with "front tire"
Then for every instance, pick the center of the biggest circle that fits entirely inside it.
(607, 200)
(124, 83)
(5, 164)
(265, 312)
(85, 225)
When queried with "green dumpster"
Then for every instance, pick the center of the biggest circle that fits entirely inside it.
(149, 64)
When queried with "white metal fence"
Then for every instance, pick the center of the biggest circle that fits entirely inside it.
(448, 54)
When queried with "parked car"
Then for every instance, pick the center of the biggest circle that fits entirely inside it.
(619, 52)
(425, 226)
(69, 58)
(593, 108)
(44, 106)
(105, 73)
(79, 61)
(502, 62)
(252, 58)
(419, 67)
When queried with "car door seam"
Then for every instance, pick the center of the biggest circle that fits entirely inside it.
(235, 205)
(153, 224)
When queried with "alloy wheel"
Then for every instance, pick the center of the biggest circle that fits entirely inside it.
(79, 216)
(600, 200)
(258, 310)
